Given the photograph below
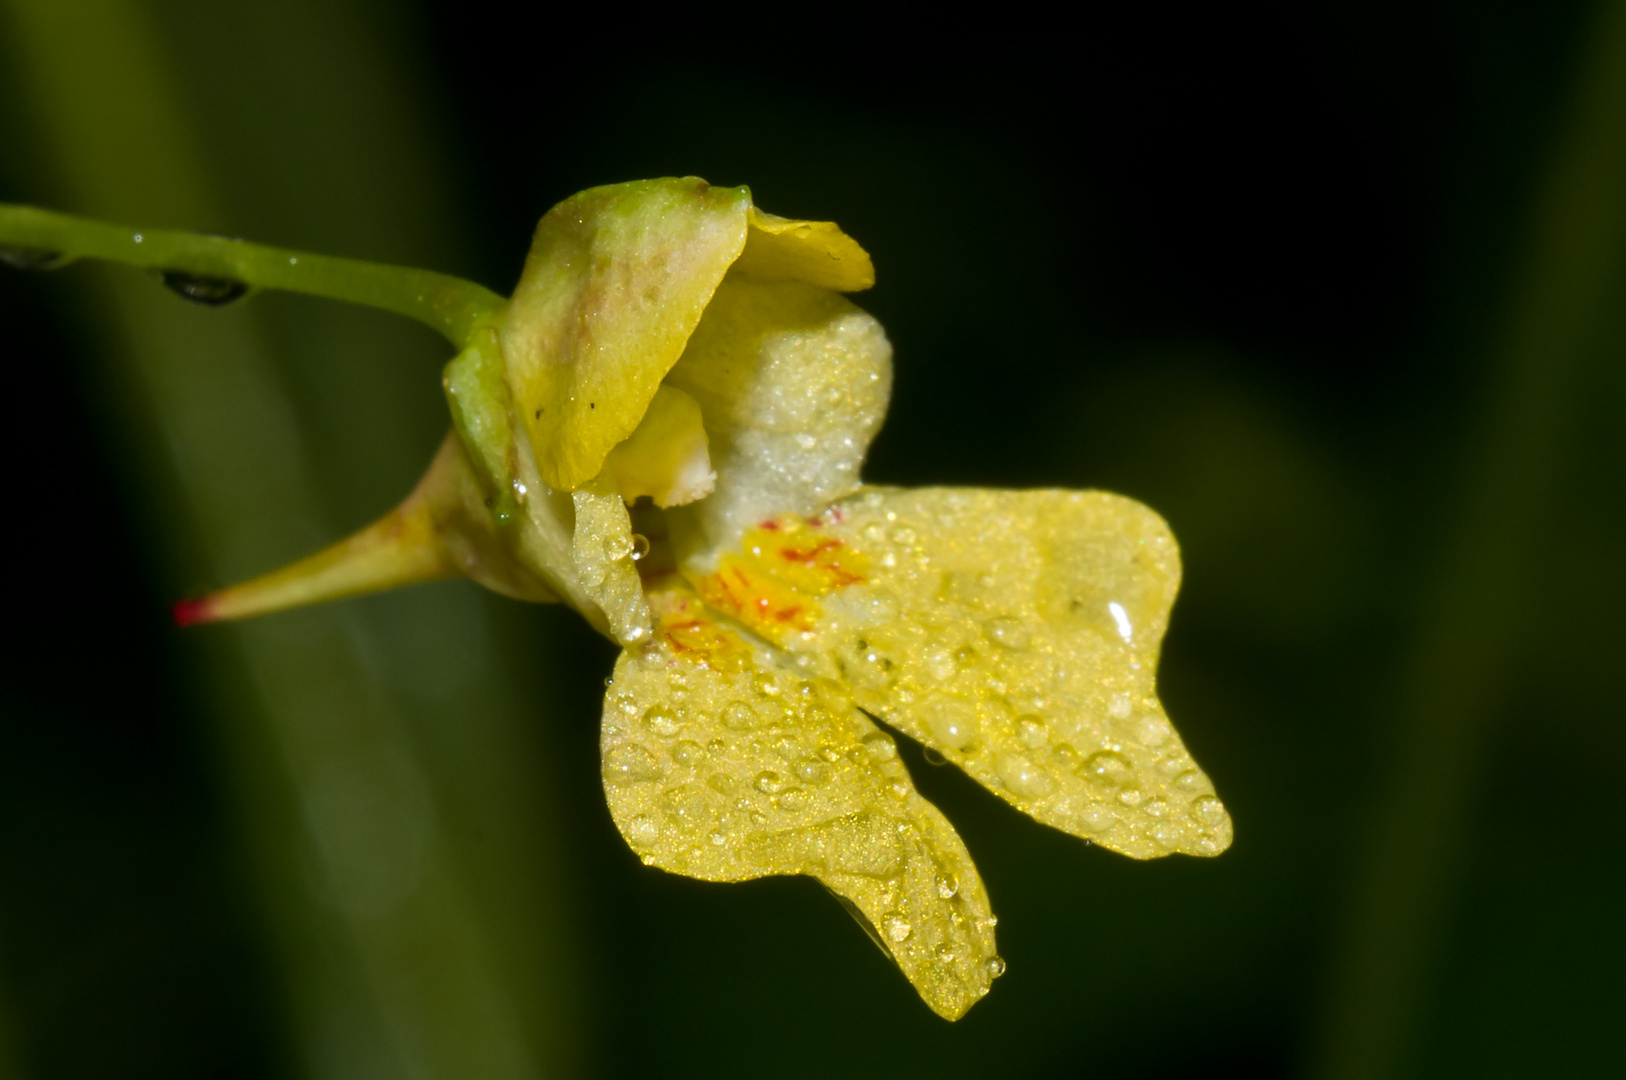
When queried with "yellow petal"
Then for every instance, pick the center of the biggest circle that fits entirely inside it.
(615, 282)
(667, 457)
(817, 252)
(617, 279)
(723, 765)
(602, 547)
(793, 382)
(1015, 632)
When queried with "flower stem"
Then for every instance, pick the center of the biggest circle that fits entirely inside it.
(448, 304)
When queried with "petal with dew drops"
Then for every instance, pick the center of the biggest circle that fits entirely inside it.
(722, 764)
(1017, 633)
(793, 382)
(615, 282)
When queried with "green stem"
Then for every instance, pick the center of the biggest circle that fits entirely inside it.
(448, 304)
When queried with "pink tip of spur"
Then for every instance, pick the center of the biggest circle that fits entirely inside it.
(192, 612)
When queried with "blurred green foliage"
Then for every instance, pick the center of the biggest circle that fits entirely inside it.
(1335, 292)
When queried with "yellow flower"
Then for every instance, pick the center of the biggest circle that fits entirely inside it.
(663, 428)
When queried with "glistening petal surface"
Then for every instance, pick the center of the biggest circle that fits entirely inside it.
(1017, 633)
(724, 765)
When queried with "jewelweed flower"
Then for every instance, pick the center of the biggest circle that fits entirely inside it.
(663, 428)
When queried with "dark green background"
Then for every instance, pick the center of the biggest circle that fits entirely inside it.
(1269, 271)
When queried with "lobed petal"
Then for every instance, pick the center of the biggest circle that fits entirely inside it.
(723, 764)
(1017, 633)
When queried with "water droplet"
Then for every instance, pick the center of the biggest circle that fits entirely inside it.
(1066, 757)
(789, 748)
(947, 886)
(768, 781)
(1107, 767)
(896, 927)
(945, 952)
(952, 722)
(19, 257)
(643, 832)
(812, 772)
(1097, 818)
(677, 679)
(718, 837)
(688, 754)
(640, 546)
(1165, 834)
(881, 747)
(1021, 777)
(715, 747)
(609, 681)
(995, 967)
(1150, 730)
(1120, 707)
(1208, 810)
(767, 685)
(1191, 780)
(904, 535)
(792, 800)
(965, 656)
(939, 663)
(662, 720)
(722, 783)
(899, 789)
(209, 291)
(628, 764)
(1208, 843)
(1157, 807)
(1130, 797)
(1031, 730)
(739, 716)
(1008, 632)
(758, 818)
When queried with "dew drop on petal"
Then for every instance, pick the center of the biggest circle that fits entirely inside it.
(952, 722)
(1008, 632)
(881, 748)
(1031, 730)
(1020, 777)
(1208, 810)
(995, 966)
(947, 886)
(768, 781)
(812, 772)
(688, 753)
(1150, 730)
(662, 720)
(896, 927)
(642, 831)
(739, 716)
(1107, 767)
(629, 763)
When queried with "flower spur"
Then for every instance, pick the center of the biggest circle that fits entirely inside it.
(663, 428)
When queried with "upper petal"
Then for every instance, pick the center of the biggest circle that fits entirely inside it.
(617, 279)
(793, 382)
